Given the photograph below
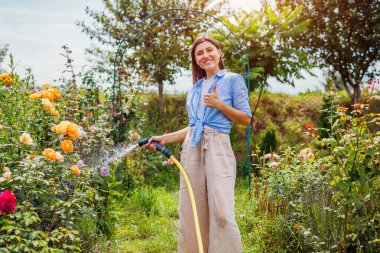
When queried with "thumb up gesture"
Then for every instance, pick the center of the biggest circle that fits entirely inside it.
(212, 99)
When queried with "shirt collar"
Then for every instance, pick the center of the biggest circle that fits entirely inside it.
(219, 74)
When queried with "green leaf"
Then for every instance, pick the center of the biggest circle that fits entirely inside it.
(270, 14)
(351, 155)
(300, 28)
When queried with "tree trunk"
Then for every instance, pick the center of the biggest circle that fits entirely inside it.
(161, 94)
(356, 95)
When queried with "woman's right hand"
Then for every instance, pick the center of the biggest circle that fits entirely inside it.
(159, 139)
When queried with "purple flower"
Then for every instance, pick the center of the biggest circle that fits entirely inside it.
(61, 137)
(80, 164)
(104, 171)
(83, 133)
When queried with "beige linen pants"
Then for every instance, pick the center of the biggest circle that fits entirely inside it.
(211, 168)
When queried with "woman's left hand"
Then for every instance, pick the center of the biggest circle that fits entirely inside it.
(212, 99)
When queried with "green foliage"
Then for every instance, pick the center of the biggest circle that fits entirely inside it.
(156, 53)
(107, 194)
(343, 38)
(327, 118)
(18, 234)
(270, 37)
(354, 166)
(3, 53)
(269, 142)
(320, 193)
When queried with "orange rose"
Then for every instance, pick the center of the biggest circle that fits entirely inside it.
(75, 169)
(50, 154)
(7, 79)
(56, 114)
(47, 94)
(66, 146)
(73, 131)
(62, 127)
(55, 93)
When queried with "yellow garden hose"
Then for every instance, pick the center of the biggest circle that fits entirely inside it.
(169, 155)
(192, 200)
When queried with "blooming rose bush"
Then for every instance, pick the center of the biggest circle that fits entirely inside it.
(42, 166)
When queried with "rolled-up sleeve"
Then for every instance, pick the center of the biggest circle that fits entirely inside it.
(240, 98)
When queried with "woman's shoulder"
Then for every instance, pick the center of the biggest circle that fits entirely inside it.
(232, 76)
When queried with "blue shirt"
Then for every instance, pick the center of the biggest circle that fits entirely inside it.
(231, 90)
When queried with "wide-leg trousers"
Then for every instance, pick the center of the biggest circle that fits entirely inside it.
(211, 168)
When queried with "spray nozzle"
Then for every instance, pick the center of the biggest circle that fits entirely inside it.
(144, 141)
(159, 147)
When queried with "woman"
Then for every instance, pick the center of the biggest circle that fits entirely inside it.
(217, 99)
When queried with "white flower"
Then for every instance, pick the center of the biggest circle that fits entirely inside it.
(59, 157)
(26, 139)
(7, 174)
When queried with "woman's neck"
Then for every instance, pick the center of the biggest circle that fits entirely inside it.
(212, 73)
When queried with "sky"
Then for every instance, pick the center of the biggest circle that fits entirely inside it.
(36, 30)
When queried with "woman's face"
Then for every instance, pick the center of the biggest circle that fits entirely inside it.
(207, 56)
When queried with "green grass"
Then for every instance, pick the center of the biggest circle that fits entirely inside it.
(139, 230)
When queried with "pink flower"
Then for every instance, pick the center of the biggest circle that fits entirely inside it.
(273, 164)
(164, 163)
(268, 156)
(7, 202)
(170, 162)
(275, 156)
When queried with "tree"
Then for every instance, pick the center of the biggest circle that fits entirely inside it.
(270, 38)
(3, 53)
(344, 38)
(158, 54)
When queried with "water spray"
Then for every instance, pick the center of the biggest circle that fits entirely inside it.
(169, 155)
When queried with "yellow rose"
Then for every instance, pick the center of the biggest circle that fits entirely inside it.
(46, 86)
(34, 96)
(66, 146)
(56, 114)
(75, 169)
(48, 106)
(50, 154)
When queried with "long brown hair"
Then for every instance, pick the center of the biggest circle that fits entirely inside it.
(198, 72)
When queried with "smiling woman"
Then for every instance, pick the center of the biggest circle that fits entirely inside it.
(217, 99)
